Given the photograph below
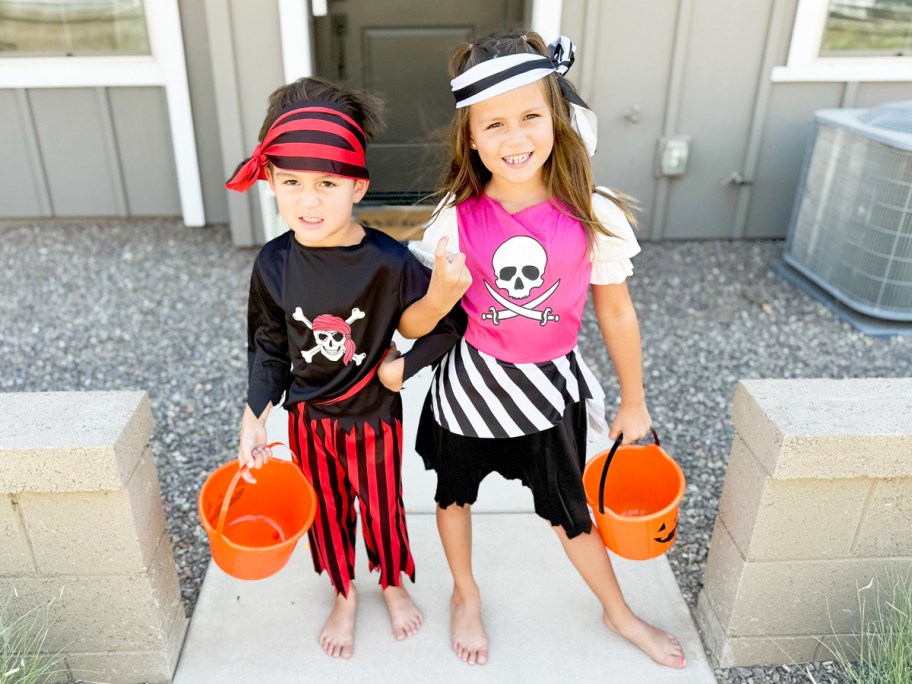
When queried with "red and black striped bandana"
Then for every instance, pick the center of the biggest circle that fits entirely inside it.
(307, 136)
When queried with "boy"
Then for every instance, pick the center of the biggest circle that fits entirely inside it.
(325, 299)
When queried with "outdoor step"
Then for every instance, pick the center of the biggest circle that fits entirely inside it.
(542, 620)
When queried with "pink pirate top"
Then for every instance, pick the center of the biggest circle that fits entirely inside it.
(518, 366)
(530, 276)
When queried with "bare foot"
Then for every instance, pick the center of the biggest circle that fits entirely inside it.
(467, 631)
(404, 614)
(658, 645)
(338, 635)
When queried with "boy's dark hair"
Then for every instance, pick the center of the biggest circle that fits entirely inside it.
(364, 108)
(567, 171)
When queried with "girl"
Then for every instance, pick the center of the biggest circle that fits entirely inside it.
(509, 397)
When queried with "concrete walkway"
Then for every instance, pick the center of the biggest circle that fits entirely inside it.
(542, 620)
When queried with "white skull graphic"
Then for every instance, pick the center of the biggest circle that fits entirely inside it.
(519, 265)
(331, 343)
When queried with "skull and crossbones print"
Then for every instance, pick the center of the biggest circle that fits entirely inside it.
(333, 336)
(519, 267)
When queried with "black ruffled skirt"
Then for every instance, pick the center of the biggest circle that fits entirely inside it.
(550, 463)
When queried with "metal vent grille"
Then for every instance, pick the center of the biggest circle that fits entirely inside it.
(851, 231)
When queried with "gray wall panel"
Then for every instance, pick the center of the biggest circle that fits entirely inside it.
(19, 196)
(871, 94)
(205, 115)
(72, 139)
(258, 60)
(573, 18)
(626, 67)
(725, 50)
(146, 154)
(789, 127)
(785, 36)
(220, 27)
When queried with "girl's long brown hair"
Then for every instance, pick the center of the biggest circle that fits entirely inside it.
(566, 172)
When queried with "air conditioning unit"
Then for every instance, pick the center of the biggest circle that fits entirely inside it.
(851, 228)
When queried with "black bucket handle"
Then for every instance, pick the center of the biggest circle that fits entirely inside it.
(608, 459)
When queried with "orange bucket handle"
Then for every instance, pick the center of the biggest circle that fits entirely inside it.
(614, 447)
(223, 513)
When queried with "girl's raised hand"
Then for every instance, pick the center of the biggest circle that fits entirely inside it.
(633, 420)
(450, 278)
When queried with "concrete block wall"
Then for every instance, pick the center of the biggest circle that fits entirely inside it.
(817, 502)
(81, 522)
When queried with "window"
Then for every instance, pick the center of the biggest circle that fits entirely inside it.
(68, 28)
(850, 40)
(868, 27)
(106, 44)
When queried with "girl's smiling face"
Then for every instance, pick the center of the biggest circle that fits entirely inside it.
(513, 134)
(318, 206)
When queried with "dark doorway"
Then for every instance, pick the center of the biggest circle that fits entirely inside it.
(398, 49)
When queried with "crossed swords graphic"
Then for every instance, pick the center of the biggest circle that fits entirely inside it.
(356, 314)
(527, 311)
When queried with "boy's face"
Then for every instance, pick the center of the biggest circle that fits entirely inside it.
(318, 206)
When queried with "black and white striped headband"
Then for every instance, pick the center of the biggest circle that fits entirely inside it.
(500, 74)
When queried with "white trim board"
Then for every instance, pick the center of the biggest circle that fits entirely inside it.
(165, 67)
(546, 18)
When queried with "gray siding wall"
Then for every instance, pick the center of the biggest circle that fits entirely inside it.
(205, 112)
(21, 174)
(690, 67)
(697, 68)
(86, 152)
(108, 151)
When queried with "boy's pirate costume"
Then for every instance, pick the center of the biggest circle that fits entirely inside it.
(320, 319)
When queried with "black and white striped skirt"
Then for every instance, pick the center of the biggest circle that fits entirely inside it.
(476, 395)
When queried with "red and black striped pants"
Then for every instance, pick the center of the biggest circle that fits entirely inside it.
(365, 462)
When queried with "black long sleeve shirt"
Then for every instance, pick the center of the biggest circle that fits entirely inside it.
(320, 319)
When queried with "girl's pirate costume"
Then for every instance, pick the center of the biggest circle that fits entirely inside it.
(510, 396)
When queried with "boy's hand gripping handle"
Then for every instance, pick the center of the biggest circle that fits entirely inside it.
(223, 513)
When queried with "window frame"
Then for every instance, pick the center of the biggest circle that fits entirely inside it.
(165, 67)
(804, 62)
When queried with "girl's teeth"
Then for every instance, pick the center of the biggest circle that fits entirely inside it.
(517, 159)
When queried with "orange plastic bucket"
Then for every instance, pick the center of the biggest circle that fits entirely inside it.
(254, 527)
(634, 492)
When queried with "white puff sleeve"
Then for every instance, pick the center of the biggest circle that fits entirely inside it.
(444, 223)
(611, 255)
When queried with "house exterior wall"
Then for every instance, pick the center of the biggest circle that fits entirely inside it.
(697, 68)
(200, 73)
(107, 151)
(701, 68)
(246, 54)
(86, 152)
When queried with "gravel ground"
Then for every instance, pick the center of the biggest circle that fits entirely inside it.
(151, 305)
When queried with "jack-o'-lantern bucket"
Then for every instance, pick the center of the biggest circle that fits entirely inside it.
(634, 492)
(254, 526)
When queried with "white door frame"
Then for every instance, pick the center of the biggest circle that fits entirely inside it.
(297, 38)
(297, 60)
(165, 67)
